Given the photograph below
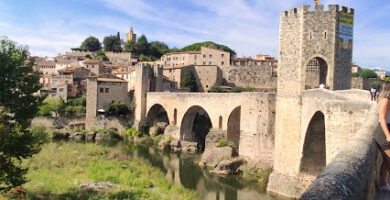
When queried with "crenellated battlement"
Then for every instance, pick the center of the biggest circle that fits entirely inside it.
(304, 9)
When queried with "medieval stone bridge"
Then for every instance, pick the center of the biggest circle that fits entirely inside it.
(246, 118)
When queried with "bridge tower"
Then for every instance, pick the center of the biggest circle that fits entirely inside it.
(315, 47)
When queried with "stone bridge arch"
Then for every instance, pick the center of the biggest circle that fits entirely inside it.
(195, 125)
(234, 126)
(314, 147)
(157, 113)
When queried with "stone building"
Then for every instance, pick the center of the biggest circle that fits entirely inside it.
(95, 66)
(131, 36)
(46, 67)
(309, 42)
(210, 55)
(128, 75)
(121, 58)
(101, 92)
(206, 75)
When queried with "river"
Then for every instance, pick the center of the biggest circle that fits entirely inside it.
(181, 169)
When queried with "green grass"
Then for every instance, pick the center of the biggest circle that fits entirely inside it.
(59, 168)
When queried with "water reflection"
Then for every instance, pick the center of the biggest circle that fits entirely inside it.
(181, 169)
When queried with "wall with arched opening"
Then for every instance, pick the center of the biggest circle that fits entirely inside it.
(314, 148)
(316, 73)
(156, 113)
(233, 126)
(195, 125)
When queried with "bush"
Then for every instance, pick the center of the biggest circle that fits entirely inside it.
(237, 89)
(355, 74)
(144, 130)
(113, 133)
(368, 74)
(88, 56)
(131, 133)
(117, 109)
(41, 133)
(216, 89)
(224, 143)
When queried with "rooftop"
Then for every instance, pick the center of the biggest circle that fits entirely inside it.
(111, 80)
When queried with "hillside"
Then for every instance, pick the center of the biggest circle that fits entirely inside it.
(197, 46)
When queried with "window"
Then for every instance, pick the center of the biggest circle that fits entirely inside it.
(325, 35)
(107, 89)
(61, 89)
(204, 56)
(87, 66)
(204, 63)
(93, 66)
(210, 63)
(101, 90)
(222, 63)
(222, 55)
(195, 57)
(210, 56)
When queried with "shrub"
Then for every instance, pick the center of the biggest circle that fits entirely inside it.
(368, 73)
(237, 89)
(88, 56)
(224, 143)
(355, 74)
(216, 89)
(131, 133)
(117, 109)
(144, 130)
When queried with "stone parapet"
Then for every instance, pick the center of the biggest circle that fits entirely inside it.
(352, 172)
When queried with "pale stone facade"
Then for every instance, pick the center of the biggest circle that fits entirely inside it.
(206, 56)
(95, 66)
(46, 67)
(121, 57)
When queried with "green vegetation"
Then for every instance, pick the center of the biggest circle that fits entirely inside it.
(131, 133)
(117, 109)
(19, 81)
(224, 143)
(189, 80)
(355, 74)
(56, 172)
(147, 51)
(368, 73)
(51, 104)
(102, 55)
(112, 43)
(376, 84)
(91, 44)
(260, 176)
(88, 56)
(74, 107)
(197, 47)
(218, 89)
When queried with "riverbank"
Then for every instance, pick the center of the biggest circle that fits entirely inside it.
(60, 168)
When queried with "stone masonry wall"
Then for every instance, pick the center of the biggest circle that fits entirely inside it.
(257, 76)
(353, 171)
(121, 58)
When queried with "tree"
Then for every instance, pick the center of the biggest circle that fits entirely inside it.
(51, 104)
(197, 47)
(91, 44)
(131, 46)
(111, 43)
(189, 80)
(368, 73)
(157, 49)
(88, 56)
(18, 106)
(143, 45)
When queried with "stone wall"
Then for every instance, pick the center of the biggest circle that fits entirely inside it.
(119, 57)
(106, 122)
(353, 171)
(257, 76)
(363, 83)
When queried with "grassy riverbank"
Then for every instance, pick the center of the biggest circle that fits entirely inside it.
(59, 168)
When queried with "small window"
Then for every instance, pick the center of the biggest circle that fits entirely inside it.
(204, 56)
(107, 90)
(204, 63)
(222, 63)
(311, 35)
(93, 66)
(210, 56)
(222, 55)
(195, 57)
(325, 35)
(101, 90)
(210, 63)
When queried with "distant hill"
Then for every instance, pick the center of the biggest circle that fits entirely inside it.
(197, 46)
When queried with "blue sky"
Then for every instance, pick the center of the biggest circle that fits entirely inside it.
(249, 27)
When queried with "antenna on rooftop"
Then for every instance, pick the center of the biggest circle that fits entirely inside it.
(316, 2)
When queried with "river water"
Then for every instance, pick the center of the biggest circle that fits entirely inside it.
(181, 169)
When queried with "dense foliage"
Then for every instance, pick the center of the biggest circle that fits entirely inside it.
(117, 109)
(75, 107)
(51, 105)
(368, 74)
(91, 44)
(218, 89)
(18, 106)
(189, 80)
(112, 43)
(147, 51)
(197, 47)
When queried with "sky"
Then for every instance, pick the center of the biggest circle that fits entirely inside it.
(249, 27)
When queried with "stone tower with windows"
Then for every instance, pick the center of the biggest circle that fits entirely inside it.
(315, 47)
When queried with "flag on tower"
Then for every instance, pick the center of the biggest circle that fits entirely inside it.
(316, 2)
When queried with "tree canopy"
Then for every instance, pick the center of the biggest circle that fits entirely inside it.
(197, 47)
(189, 80)
(147, 51)
(368, 73)
(91, 44)
(18, 106)
(112, 43)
